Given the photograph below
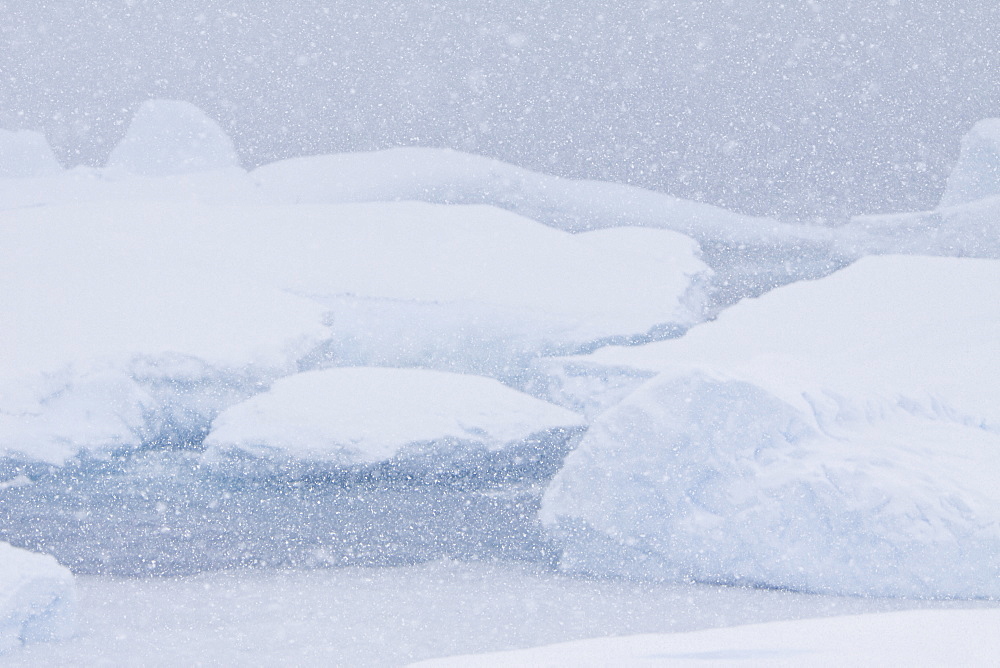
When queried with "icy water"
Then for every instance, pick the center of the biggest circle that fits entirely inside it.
(389, 616)
(162, 514)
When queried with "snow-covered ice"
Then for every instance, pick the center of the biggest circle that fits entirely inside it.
(138, 321)
(37, 599)
(414, 419)
(26, 154)
(977, 173)
(169, 137)
(913, 638)
(357, 617)
(841, 435)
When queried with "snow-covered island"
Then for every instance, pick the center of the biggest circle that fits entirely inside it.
(396, 358)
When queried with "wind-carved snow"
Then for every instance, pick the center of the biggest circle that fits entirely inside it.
(26, 154)
(168, 137)
(417, 422)
(37, 599)
(839, 436)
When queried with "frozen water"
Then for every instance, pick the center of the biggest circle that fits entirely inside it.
(169, 137)
(840, 435)
(977, 173)
(25, 154)
(37, 599)
(913, 638)
(357, 617)
(417, 420)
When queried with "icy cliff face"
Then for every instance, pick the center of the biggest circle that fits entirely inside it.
(977, 173)
(37, 598)
(837, 436)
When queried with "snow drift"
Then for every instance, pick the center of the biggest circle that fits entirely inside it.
(839, 436)
(37, 598)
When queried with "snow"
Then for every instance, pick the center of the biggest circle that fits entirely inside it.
(26, 154)
(357, 416)
(912, 638)
(867, 469)
(357, 617)
(976, 175)
(37, 599)
(138, 321)
(168, 137)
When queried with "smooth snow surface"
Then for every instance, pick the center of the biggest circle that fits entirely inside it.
(977, 173)
(359, 617)
(360, 415)
(26, 154)
(914, 638)
(841, 435)
(37, 599)
(169, 137)
(138, 321)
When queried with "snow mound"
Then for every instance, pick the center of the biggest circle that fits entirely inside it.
(839, 436)
(139, 321)
(37, 598)
(26, 154)
(352, 417)
(912, 638)
(170, 137)
(977, 173)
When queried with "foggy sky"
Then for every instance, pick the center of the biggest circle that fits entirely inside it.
(791, 108)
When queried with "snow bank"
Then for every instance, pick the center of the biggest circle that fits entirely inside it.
(413, 418)
(976, 175)
(912, 638)
(841, 435)
(37, 598)
(26, 154)
(139, 321)
(172, 137)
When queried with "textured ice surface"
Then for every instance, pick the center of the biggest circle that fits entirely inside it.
(841, 435)
(26, 154)
(172, 137)
(977, 173)
(37, 598)
(414, 419)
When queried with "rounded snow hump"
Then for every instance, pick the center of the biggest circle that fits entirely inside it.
(170, 137)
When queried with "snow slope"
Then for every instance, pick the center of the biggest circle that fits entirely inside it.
(37, 599)
(912, 638)
(416, 419)
(841, 435)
